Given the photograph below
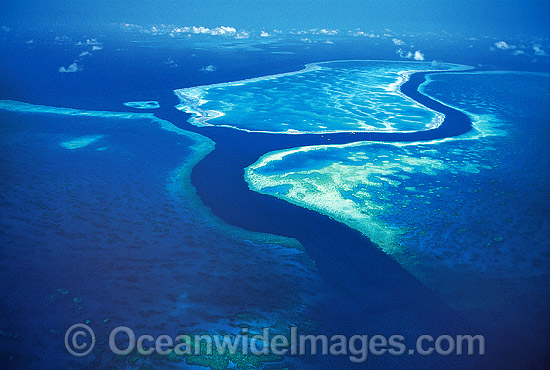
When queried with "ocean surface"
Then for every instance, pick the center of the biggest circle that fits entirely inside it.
(343, 96)
(395, 213)
(438, 206)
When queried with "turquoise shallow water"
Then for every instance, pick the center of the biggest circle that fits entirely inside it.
(324, 97)
(101, 224)
(467, 216)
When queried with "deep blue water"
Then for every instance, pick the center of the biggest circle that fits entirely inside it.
(106, 226)
(468, 213)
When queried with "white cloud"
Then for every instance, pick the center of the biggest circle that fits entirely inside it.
(518, 52)
(84, 53)
(200, 29)
(242, 35)
(264, 34)
(404, 54)
(329, 42)
(357, 33)
(174, 31)
(208, 68)
(228, 29)
(503, 45)
(539, 50)
(31, 41)
(398, 42)
(96, 48)
(70, 69)
(223, 30)
(62, 38)
(92, 41)
(328, 32)
(418, 55)
(170, 62)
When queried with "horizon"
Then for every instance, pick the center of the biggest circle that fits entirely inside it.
(492, 18)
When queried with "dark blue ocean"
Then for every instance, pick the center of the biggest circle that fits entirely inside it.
(106, 219)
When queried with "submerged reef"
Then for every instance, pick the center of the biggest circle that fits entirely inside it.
(151, 104)
(343, 96)
(469, 209)
(124, 239)
(80, 142)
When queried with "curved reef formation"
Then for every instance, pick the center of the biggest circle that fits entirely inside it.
(150, 104)
(436, 182)
(420, 196)
(328, 97)
(112, 220)
(437, 200)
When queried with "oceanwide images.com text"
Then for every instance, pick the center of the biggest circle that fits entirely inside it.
(80, 341)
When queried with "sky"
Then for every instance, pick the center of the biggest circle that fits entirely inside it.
(502, 17)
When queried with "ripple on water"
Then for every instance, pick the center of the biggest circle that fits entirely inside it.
(326, 97)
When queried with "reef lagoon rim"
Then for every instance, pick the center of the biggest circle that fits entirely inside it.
(220, 182)
(366, 290)
(341, 96)
(363, 282)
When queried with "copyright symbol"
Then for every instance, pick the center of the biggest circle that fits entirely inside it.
(79, 340)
